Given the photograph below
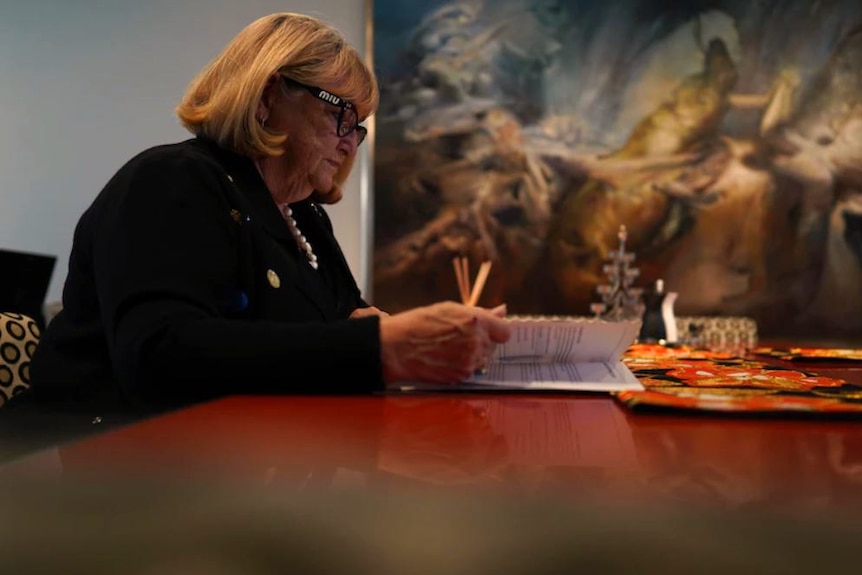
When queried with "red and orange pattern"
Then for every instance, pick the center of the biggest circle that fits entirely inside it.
(809, 353)
(686, 378)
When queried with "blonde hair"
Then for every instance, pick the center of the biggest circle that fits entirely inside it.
(222, 100)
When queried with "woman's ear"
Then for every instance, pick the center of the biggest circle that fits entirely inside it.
(267, 99)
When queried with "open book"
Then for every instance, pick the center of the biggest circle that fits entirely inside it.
(562, 353)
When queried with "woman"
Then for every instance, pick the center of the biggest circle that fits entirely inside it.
(208, 267)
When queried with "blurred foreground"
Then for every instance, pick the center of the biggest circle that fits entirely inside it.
(140, 528)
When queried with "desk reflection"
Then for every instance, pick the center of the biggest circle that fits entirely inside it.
(751, 463)
(515, 442)
(577, 446)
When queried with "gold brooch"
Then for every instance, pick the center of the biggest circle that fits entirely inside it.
(273, 278)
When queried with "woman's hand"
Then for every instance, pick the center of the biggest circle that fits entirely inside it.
(440, 343)
(367, 311)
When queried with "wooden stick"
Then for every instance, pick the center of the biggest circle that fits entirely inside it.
(463, 286)
(465, 271)
(456, 265)
(481, 278)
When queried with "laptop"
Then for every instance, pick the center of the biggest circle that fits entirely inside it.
(24, 281)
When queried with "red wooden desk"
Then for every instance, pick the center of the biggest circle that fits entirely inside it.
(598, 489)
(272, 481)
(580, 446)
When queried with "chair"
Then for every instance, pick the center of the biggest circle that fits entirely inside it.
(26, 278)
(19, 335)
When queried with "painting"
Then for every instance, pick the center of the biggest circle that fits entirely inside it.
(725, 135)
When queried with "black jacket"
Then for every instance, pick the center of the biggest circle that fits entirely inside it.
(184, 284)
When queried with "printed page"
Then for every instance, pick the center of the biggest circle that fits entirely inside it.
(588, 376)
(596, 376)
(571, 340)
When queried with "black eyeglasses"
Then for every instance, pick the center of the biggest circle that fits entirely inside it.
(348, 120)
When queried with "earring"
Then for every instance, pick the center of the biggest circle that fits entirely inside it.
(262, 122)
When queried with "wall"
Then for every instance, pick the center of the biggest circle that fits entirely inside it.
(86, 84)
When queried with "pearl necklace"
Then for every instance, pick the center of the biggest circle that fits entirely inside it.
(301, 242)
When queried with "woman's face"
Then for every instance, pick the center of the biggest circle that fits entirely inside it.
(314, 151)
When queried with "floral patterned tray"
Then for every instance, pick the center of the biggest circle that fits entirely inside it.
(809, 353)
(691, 379)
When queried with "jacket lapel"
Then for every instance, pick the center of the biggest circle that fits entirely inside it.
(266, 216)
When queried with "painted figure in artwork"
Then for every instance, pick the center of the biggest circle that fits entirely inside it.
(730, 154)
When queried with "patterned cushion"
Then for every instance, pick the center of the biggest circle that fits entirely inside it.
(19, 335)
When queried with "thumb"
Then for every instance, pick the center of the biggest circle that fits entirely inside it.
(499, 311)
(499, 329)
